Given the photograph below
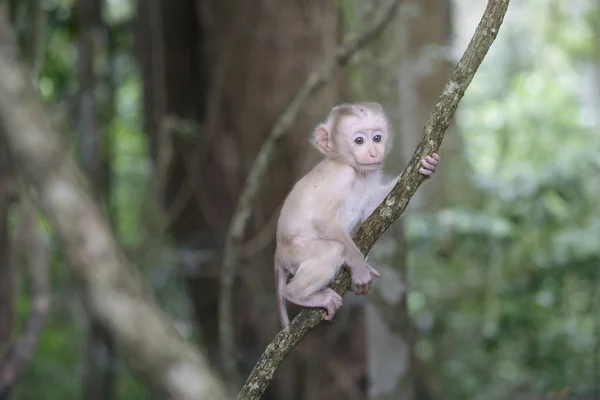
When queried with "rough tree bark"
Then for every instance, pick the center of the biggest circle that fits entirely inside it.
(395, 203)
(115, 294)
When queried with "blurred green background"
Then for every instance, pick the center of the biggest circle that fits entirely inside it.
(490, 283)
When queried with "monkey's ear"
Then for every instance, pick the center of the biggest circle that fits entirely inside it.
(322, 139)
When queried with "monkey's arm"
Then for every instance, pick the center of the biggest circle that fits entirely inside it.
(354, 259)
(377, 197)
(332, 230)
(428, 165)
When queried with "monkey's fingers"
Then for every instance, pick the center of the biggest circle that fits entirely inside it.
(432, 160)
(374, 272)
(436, 156)
(425, 163)
(360, 289)
(329, 315)
(427, 168)
(337, 300)
(332, 305)
(330, 308)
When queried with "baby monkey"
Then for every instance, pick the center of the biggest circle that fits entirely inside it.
(327, 204)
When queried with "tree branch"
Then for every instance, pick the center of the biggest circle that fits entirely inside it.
(113, 291)
(394, 204)
(240, 218)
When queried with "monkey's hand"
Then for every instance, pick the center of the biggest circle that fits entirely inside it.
(428, 164)
(362, 280)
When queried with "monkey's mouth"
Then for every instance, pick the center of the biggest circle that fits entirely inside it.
(375, 164)
(369, 166)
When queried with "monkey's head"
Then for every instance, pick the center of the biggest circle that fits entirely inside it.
(356, 134)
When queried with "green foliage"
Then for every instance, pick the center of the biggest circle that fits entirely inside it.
(130, 164)
(510, 280)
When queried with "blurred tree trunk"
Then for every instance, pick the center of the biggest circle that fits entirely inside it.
(7, 276)
(406, 71)
(425, 65)
(231, 67)
(31, 37)
(99, 377)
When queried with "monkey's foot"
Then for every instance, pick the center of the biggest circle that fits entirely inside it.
(333, 302)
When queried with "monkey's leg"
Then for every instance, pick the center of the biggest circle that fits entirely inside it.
(332, 230)
(308, 287)
(280, 281)
(360, 270)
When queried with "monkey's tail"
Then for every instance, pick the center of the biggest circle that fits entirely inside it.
(279, 286)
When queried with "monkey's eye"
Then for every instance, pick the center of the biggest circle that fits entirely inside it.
(359, 140)
(377, 138)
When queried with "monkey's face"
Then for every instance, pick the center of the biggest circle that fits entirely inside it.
(364, 141)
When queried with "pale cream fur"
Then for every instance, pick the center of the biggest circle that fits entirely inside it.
(326, 205)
